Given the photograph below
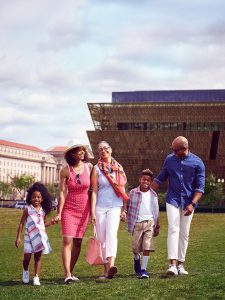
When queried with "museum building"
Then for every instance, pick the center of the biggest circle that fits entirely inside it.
(141, 125)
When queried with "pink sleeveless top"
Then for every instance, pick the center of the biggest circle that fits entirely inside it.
(76, 210)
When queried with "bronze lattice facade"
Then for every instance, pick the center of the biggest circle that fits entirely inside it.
(140, 127)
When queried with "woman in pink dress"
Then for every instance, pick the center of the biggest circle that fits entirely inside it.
(74, 206)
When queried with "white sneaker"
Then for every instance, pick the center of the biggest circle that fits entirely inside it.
(172, 270)
(36, 280)
(181, 270)
(74, 278)
(26, 276)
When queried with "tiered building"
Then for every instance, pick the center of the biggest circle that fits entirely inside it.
(140, 127)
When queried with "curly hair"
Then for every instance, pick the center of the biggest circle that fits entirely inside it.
(71, 160)
(147, 172)
(47, 198)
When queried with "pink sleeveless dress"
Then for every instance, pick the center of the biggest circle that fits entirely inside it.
(76, 210)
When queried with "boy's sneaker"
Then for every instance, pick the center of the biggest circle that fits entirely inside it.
(172, 270)
(143, 274)
(181, 270)
(36, 280)
(26, 276)
(137, 265)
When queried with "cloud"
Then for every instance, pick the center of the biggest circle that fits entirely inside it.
(56, 56)
(67, 29)
(13, 73)
(10, 115)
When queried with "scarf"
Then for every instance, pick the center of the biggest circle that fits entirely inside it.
(117, 183)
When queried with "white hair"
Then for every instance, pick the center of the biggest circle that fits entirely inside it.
(104, 142)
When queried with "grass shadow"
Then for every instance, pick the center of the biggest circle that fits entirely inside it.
(11, 283)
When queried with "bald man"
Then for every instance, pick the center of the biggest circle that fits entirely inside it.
(185, 172)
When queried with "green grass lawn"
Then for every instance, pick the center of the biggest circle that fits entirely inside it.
(205, 263)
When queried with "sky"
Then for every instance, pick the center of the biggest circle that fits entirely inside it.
(56, 56)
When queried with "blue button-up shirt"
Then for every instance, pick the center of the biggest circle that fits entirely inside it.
(186, 176)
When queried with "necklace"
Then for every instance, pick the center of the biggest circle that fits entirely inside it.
(79, 169)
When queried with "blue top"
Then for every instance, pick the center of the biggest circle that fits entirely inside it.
(186, 176)
(106, 197)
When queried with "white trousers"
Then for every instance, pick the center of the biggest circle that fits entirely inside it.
(178, 232)
(107, 224)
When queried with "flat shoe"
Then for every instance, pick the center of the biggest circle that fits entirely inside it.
(68, 280)
(74, 278)
(112, 272)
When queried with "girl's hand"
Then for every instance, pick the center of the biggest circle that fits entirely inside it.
(93, 219)
(53, 221)
(123, 216)
(17, 242)
(57, 218)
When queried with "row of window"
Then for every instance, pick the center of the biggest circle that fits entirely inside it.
(171, 126)
(20, 152)
(14, 172)
(18, 165)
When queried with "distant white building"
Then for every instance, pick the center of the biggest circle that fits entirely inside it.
(18, 159)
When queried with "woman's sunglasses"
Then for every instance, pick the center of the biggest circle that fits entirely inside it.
(78, 178)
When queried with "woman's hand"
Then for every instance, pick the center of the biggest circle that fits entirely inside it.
(57, 218)
(123, 216)
(93, 219)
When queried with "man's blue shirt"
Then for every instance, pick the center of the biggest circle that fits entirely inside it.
(186, 176)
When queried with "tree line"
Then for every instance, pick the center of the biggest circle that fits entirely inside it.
(18, 186)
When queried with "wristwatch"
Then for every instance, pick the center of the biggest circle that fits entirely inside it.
(193, 204)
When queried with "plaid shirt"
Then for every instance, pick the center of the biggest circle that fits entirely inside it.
(135, 198)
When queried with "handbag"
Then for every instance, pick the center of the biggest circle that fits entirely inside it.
(94, 251)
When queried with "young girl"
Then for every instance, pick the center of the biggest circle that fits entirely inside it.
(35, 238)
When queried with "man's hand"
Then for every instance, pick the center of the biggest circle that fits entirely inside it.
(188, 210)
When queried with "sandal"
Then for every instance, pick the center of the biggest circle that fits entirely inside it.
(112, 272)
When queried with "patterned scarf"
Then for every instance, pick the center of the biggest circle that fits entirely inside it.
(117, 183)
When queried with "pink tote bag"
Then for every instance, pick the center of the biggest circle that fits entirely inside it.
(94, 251)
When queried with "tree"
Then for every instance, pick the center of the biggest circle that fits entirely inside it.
(53, 189)
(214, 192)
(5, 189)
(21, 183)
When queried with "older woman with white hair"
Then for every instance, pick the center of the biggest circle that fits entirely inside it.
(108, 196)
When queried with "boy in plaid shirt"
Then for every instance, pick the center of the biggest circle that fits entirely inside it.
(143, 211)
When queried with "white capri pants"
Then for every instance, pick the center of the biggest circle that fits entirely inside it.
(178, 232)
(107, 224)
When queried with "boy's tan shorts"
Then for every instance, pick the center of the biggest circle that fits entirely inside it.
(143, 236)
